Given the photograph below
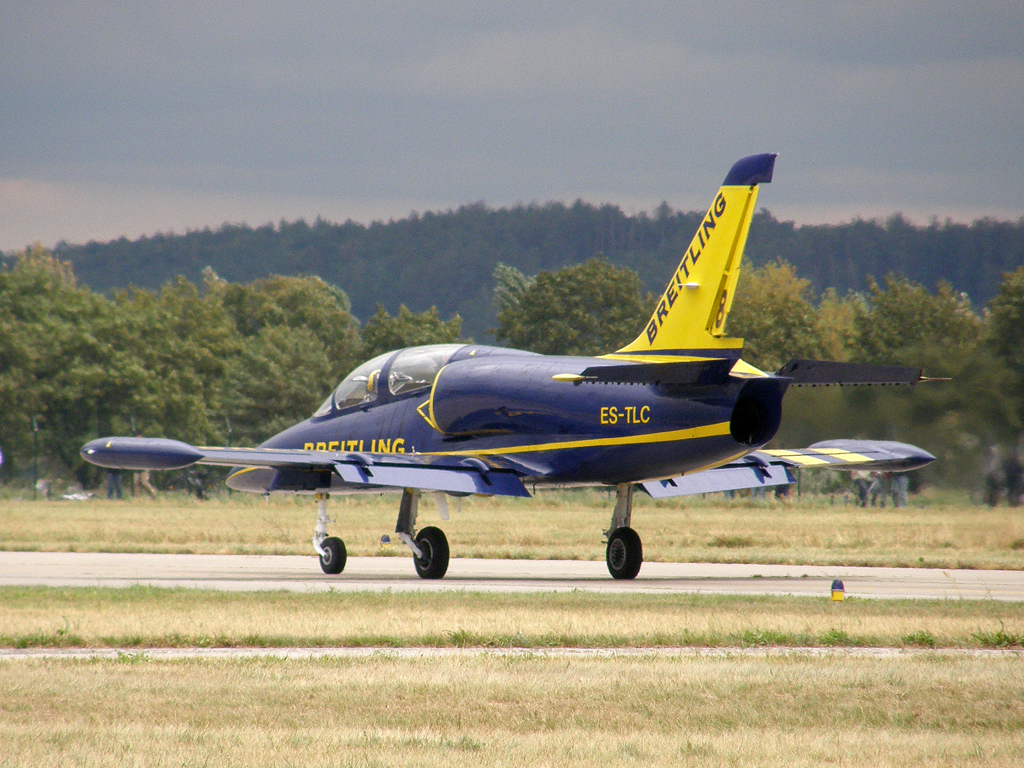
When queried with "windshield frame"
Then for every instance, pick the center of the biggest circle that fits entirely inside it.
(426, 359)
(380, 368)
(368, 371)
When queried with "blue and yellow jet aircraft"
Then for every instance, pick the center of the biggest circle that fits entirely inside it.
(675, 412)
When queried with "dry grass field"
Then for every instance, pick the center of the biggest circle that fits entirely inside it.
(941, 530)
(495, 711)
(927, 710)
(142, 617)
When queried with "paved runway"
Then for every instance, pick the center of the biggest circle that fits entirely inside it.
(302, 574)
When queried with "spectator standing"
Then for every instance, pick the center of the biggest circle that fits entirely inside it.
(114, 484)
(1013, 476)
(899, 489)
(993, 476)
(140, 482)
(877, 489)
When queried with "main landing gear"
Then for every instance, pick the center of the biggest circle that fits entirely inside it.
(625, 553)
(429, 547)
(330, 548)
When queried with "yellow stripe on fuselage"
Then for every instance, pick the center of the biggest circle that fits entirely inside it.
(676, 435)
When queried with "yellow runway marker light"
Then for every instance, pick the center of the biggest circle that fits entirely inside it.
(838, 592)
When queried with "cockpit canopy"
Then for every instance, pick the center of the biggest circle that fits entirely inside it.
(413, 369)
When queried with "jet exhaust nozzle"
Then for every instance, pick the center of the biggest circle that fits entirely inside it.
(758, 412)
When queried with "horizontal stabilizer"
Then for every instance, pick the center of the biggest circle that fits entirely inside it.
(825, 373)
(697, 372)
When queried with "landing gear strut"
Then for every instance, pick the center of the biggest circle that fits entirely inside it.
(625, 553)
(330, 548)
(429, 547)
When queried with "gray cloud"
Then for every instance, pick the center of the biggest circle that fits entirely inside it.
(223, 111)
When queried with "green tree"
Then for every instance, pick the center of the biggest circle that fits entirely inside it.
(588, 309)
(182, 343)
(902, 323)
(837, 323)
(296, 302)
(774, 316)
(57, 361)
(1005, 332)
(279, 377)
(1006, 322)
(510, 286)
(383, 333)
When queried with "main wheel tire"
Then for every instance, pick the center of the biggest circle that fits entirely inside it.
(625, 554)
(334, 557)
(434, 546)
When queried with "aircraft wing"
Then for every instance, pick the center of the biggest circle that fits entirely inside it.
(360, 470)
(771, 467)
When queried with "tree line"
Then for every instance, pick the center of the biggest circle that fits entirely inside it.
(217, 362)
(212, 363)
(446, 259)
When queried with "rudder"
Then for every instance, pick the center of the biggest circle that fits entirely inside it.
(690, 316)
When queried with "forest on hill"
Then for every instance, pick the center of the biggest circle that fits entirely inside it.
(448, 259)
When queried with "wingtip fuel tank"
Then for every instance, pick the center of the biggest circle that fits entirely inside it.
(140, 453)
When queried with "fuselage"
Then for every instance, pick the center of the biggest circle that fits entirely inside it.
(503, 407)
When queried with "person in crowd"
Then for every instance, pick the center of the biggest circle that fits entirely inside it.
(114, 484)
(1013, 477)
(993, 476)
(140, 482)
(877, 489)
(900, 485)
(860, 487)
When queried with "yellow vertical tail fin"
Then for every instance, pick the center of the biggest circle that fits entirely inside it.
(690, 316)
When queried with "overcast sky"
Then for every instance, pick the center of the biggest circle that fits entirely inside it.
(134, 118)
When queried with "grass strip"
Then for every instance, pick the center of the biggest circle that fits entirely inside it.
(942, 531)
(500, 711)
(140, 617)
